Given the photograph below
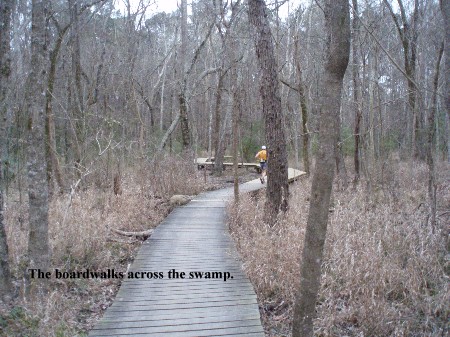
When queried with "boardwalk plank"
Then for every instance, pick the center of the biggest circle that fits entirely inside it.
(202, 329)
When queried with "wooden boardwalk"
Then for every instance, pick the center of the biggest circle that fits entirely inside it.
(193, 238)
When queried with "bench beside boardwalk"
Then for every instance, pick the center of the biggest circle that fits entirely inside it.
(193, 238)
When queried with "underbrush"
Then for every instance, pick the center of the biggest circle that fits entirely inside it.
(81, 238)
(385, 270)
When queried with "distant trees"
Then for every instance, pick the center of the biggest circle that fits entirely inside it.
(337, 25)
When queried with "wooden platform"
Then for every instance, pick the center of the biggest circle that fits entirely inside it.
(193, 238)
(205, 163)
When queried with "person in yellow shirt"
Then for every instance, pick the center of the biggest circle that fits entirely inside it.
(262, 156)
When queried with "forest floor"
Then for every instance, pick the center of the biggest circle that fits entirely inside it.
(81, 239)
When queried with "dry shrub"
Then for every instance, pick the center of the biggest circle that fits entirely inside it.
(385, 271)
(80, 238)
(169, 175)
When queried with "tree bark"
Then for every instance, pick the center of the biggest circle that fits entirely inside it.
(445, 8)
(182, 100)
(53, 168)
(303, 105)
(5, 71)
(38, 247)
(218, 146)
(431, 141)
(356, 87)
(338, 46)
(277, 176)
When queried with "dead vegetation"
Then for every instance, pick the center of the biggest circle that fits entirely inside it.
(385, 271)
(88, 230)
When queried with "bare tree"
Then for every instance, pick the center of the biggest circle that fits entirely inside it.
(337, 27)
(38, 248)
(431, 141)
(5, 71)
(182, 99)
(277, 181)
(356, 87)
(408, 31)
(224, 27)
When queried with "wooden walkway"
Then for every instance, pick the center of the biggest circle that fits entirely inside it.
(192, 239)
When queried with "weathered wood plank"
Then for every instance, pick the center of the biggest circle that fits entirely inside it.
(202, 329)
(167, 321)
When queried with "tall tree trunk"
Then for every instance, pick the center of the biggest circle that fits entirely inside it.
(218, 153)
(5, 71)
(53, 169)
(38, 248)
(235, 131)
(338, 47)
(185, 133)
(303, 105)
(445, 8)
(431, 141)
(277, 177)
(356, 87)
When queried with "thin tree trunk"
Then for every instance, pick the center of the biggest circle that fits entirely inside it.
(431, 140)
(445, 8)
(38, 247)
(182, 99)
(218, 153)
(5, 71)
(235, 117)
(356, 87)
(277, 177)
(53, 169)
(338, 46)
(303, 106)
(169, 132)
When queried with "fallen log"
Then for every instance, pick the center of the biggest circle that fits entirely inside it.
(143, 235)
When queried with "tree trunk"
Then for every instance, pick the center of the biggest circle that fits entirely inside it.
(303, 106)
(338, 45)
(277, 177)
(356, 87)
(53, 169)
(38, 248)
(431, 140)
(5, 71)
(218, 153)
(445, 8)
(185, 133)
(235, 131)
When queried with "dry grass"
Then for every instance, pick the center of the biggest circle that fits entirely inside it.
(80, 238)
(385, 272)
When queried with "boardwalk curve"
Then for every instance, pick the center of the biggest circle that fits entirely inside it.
(193, 238)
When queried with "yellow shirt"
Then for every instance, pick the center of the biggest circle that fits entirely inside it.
(262, 155)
